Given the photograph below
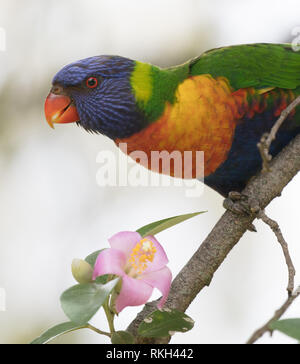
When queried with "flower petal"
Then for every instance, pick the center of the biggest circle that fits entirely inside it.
(125, 241)
(134, 292)
(160, 259)
(161, 280)
(110, 261)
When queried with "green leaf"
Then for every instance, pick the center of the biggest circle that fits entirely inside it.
(159, 226)
(91, 259)
(57, 331)
(80, 303)
(164, 323)
(122, 337)
(290, 327)
(102, 279)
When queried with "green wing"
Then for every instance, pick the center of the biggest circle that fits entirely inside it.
(259, 65)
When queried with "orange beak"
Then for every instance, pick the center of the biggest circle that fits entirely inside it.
(60, 110)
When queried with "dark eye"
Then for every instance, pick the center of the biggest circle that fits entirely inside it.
(92, 82)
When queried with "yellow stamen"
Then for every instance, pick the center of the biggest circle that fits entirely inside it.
(142, 253)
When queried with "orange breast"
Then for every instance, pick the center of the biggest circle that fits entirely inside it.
(203, 118)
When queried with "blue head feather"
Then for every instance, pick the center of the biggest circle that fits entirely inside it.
(110, 108)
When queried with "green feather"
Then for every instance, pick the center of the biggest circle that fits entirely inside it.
(254, 65)
(153, 87)
(165, 83)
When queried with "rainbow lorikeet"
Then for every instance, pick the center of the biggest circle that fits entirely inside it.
(221, 103)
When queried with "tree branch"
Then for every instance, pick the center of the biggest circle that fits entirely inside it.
(267, 139)
(276, 230)
(278, 314)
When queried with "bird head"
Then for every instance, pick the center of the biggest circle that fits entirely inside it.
(97, 94)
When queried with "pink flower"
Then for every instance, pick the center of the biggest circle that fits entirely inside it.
(142, 265)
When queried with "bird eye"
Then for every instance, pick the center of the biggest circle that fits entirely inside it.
(92, 82)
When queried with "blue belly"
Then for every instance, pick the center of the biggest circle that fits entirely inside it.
(244, 160)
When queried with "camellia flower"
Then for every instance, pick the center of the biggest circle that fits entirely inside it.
(141, 263)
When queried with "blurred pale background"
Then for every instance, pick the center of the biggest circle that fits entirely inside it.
(51, 209)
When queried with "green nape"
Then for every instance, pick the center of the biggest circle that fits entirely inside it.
(153, 87)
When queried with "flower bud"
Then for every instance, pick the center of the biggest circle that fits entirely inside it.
(82, 271)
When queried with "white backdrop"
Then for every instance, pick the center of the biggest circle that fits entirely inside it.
(51, 208)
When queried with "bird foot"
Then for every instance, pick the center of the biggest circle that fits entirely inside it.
(240, 204)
